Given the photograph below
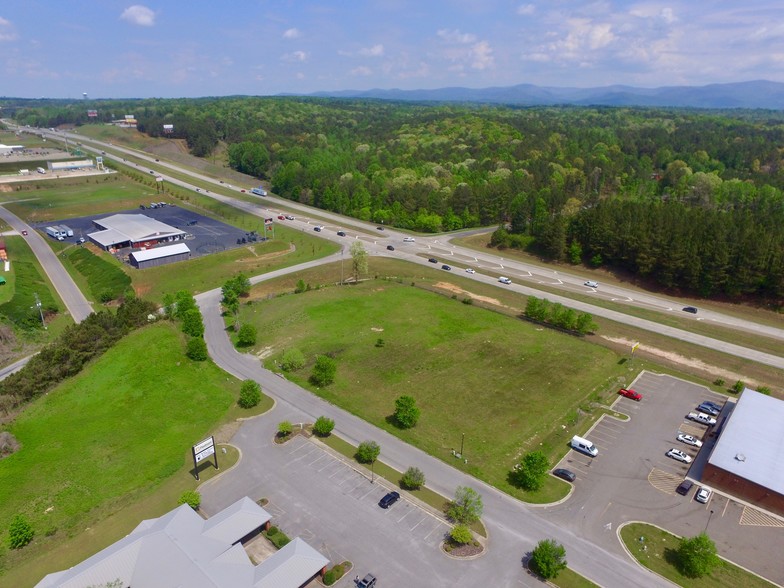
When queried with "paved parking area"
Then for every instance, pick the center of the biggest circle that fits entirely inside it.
(632, 479)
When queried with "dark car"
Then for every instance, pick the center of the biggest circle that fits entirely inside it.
(341, 233)
(446, 267)
(389, 499)
(369, 581)
(709, 408)
(390, 248)
(567, 475)
(684, 487)
(24, 233)
(691, 309)
(433, 260)
(380, 228)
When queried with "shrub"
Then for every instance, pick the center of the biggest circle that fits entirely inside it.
(368, 452)
(20, 532)
(719, 381)
(461, 535)
(284, 429)
(196, 349)
(531, 471)
(379, 342)
(247, 335)
(191, 498)
(278, 538)
(738, 387)
(548, 558)
(413, 479)
(293, 360)
(697, 556)
(764, 390)
(250, 394)
(335, 573)
(406, 412)
(324, 371)
(192, 323)
(323, 426)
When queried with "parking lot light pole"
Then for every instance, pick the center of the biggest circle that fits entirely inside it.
(372, 473)
(708, 523)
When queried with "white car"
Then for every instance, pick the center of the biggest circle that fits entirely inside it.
(703, 495)
(470, 270)
(504, 280)
(701, 417)
(408, 239)
(689, 440)
(289, 217)
(591, 284)
(679, 455)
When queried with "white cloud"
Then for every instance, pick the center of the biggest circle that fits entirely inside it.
(526, 9)
(292, 34)
(482, 56)
(6, 30)
(361, 71)
(295, 56)
(374, 51)
(455, 36)
(139, 15)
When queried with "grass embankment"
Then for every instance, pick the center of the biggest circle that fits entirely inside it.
(657, 552)
(108, 448)
(504, 383)
(24, 281)
(102, 275)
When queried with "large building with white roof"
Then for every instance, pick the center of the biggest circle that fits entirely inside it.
(183, 549)
(747, 460)
(137, 231)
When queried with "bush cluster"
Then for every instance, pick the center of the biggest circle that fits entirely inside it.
(250, 394)
(544, 311)
(278, 538)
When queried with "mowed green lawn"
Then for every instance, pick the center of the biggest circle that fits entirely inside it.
(503, 382)
(108, 437)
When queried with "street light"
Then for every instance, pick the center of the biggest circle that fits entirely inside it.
(372, 473)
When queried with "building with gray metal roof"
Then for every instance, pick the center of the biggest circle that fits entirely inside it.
(182, 549)
(133, 230)
(747, 460)
(159, 255)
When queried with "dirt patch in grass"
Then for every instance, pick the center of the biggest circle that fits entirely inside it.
(458, 290)
(709, 370)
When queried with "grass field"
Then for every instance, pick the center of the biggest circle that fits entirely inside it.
(109, 437)
(506, 384)
(657, 553)
(105, 280)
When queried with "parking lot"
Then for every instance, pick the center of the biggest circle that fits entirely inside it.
(633, 479)
(205, 235)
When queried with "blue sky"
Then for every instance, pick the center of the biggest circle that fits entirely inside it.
(170, 48)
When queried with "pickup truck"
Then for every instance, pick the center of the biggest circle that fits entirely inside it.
(701, 418)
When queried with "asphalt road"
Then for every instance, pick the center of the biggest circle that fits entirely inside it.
(78, 306)
(513, 527)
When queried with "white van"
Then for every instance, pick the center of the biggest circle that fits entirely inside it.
(584, 446)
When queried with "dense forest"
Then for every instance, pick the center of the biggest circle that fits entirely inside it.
(689, 199)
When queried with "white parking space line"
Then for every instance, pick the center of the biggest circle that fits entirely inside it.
(408, 512)
(368, 492)
(422, 520)
(436, 528)
(318, 459)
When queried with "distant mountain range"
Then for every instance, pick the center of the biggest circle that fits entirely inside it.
(756, 94)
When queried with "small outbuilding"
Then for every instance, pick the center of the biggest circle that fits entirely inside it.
(160, 256)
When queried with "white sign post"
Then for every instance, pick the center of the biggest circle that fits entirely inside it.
(203, 450)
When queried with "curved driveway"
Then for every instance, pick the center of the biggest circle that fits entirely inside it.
(513, 527)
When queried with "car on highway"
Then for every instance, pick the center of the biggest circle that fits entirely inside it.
(703, 495)
(433, 260)
(317, 229)
(390, 248)
(629, 393)
(679, 455)
(389, 499)
(341, 233)
(691, 309)
(565, 474)
(243, 191)
(24, 233)
(408, 239)
(446, 267)
(710, 408)
(470, 270)
(369, 581)
(700, 417)
(379, 228)
(689, 440)
(504, 280)
(281, 217)
(591, 284)
(684, 487)
(289, 217)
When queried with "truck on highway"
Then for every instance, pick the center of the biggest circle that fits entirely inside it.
(40, 170)
(259, 191)
(55, 233)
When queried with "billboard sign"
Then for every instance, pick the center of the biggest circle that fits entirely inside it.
(168, 128)
(202, 451)
(92, 113)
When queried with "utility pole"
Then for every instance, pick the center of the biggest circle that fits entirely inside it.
(40, 309)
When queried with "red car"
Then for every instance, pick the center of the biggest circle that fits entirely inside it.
(630, 394)
(281, 217)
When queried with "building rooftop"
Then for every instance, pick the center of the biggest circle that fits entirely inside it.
(135, 227)
(158, 252)
(751, 444)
